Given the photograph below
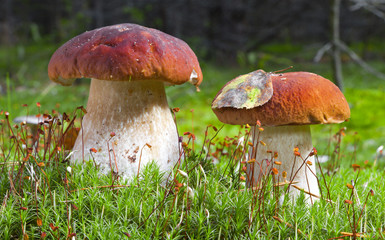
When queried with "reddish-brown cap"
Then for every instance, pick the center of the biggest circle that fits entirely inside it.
(298, 98)
(125, 52)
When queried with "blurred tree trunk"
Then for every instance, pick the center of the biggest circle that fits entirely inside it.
(99, 13)
(55, 25)
(336, 52)
(7, 24)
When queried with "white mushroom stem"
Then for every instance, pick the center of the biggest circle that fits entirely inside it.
(139, 115)
(283, 140)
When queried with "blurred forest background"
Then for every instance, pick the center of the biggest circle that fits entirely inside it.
(214, 28)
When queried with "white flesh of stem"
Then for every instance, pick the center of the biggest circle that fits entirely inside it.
(283, 140)
(138, 113)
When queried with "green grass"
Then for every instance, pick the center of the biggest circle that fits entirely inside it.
(83, 202)
(59, 199)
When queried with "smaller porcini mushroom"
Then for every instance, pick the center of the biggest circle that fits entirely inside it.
(129, 66)
(32, 121)
(285, 105)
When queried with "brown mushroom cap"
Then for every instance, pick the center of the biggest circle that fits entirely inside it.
(298, 98)
(125, 52)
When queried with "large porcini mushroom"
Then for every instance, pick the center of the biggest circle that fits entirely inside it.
(129, 65)
(285, 105)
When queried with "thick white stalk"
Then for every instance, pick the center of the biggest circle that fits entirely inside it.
(283, 140)
(139, 115)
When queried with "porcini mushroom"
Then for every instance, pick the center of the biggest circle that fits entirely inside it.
(33, 122)
(286, 105)
(129, 65)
